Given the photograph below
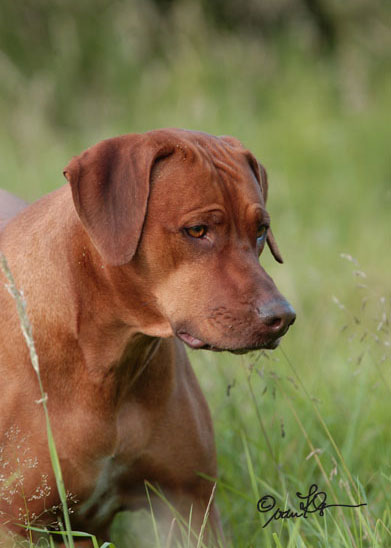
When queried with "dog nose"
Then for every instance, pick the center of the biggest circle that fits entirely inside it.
(277, 316)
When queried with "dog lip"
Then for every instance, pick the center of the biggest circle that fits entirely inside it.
(273, 344)
(270, 345)
(191, 341)
(198, 344)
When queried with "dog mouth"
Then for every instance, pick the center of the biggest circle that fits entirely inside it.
(198, 344)
(191, 341)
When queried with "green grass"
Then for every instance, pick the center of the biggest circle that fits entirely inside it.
(317, 410)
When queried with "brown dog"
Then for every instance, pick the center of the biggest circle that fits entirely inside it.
(154, 241)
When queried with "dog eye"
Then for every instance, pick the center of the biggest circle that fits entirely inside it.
(197, 231)
(261, 232)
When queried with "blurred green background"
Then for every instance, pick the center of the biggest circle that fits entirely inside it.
(305, 84)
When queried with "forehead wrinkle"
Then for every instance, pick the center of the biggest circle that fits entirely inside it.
(239, 199)
(222, 156)
(223, 166)
(213, 151)
(200, 184)
(235, 179)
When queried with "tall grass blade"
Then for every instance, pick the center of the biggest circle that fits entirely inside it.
(27, 333)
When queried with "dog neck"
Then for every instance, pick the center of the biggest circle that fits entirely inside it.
(119, 338)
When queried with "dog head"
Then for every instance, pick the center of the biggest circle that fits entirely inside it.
(186, 212)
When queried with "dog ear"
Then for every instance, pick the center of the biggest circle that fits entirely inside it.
(261, 175)
(271, 242)
(110, 185)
